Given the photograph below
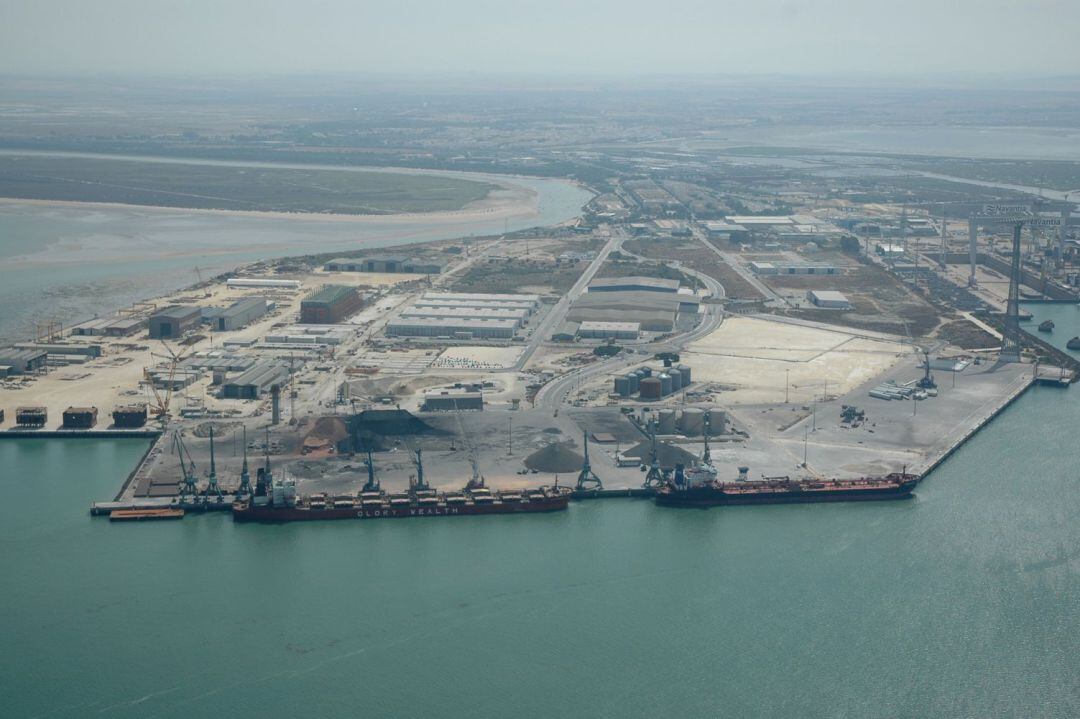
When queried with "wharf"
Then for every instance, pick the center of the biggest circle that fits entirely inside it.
(151, 504)
(610, 493)
(17, 433)
(952, 444)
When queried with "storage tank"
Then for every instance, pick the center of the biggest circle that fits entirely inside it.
(692, 422)
(632, 381)
(645, 371)
(676, 380)
(665, 421)
(665, 384)
(717, 421)
(622, 386)
(684, 370)
(650, 388)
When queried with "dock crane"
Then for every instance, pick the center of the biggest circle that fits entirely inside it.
(587, 479)
(212, 487)
(372, 484)
(655, 477)
(244, 490)
(477, 479)
(419, 484)
(188, 489)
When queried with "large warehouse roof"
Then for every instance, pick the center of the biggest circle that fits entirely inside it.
(330, 294)
(654, 283)
(480, 296)
(626, 300)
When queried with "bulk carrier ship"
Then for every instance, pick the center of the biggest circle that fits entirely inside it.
(277, 501)
(699, 487)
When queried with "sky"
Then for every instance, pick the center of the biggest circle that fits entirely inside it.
(982, 38)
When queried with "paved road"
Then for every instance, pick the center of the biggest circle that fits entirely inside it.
(557, 313)
(734, 264)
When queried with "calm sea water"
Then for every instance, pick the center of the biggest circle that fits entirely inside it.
(964, 602)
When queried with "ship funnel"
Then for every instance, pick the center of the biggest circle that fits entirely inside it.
(744, 473)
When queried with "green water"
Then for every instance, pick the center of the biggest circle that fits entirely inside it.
(964, 602)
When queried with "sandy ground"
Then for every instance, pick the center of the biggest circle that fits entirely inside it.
(479, 357)
(755, 356)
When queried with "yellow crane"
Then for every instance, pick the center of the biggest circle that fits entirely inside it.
(162, 400)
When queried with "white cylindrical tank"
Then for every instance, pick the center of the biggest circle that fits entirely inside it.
(666, 421)
(717, 421)
(692, 422)
(676, 380)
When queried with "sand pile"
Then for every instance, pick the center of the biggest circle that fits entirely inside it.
(555, 457)
(667, 454)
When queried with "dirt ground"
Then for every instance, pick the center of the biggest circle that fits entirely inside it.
(693, 254)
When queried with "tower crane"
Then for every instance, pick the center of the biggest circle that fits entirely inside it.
(477, 479)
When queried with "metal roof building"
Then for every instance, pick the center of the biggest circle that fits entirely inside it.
(609, 330)
(829, 299)
(633, 284)
(256, 381)
(20, 361)
(330, 305)
(463, 328)
(239, 313)
(488, 297)
(174, 321)
(518, 315)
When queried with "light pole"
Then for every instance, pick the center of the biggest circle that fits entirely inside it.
(787, 384)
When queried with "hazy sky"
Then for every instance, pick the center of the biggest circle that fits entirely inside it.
(958, 37)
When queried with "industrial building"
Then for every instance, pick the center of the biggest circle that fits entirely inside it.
(80, 417)
(384, 264)
(769, 268)
(23, 361)
(256, 381)
(330, 305)
(633, 284)
(483, 297)
(92, 351)
(109, 327)
(828, 299)
(261, 282)
(526, 305)
(238, 314)
(518, 315)
(652, 311)
(174, 321)
(451, 400)
(609, 330)
(455, 328)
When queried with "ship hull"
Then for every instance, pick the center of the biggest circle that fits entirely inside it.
(294, 514)
(709, 497)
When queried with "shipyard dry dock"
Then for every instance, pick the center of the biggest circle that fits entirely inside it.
(773, 439)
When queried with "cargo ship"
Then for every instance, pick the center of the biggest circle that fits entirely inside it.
(699, 487)
(278, 501)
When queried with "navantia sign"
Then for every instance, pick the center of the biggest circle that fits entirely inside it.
(997, 210)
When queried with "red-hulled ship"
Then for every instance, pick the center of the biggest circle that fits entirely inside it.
(277, 501)
(698, 487)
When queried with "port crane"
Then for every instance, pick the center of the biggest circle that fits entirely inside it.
(372, 484)
(420, 483)
(587, 478)
(244, 490)
(187, 468)
(655, 476)
(477, 479)
(212, 488)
